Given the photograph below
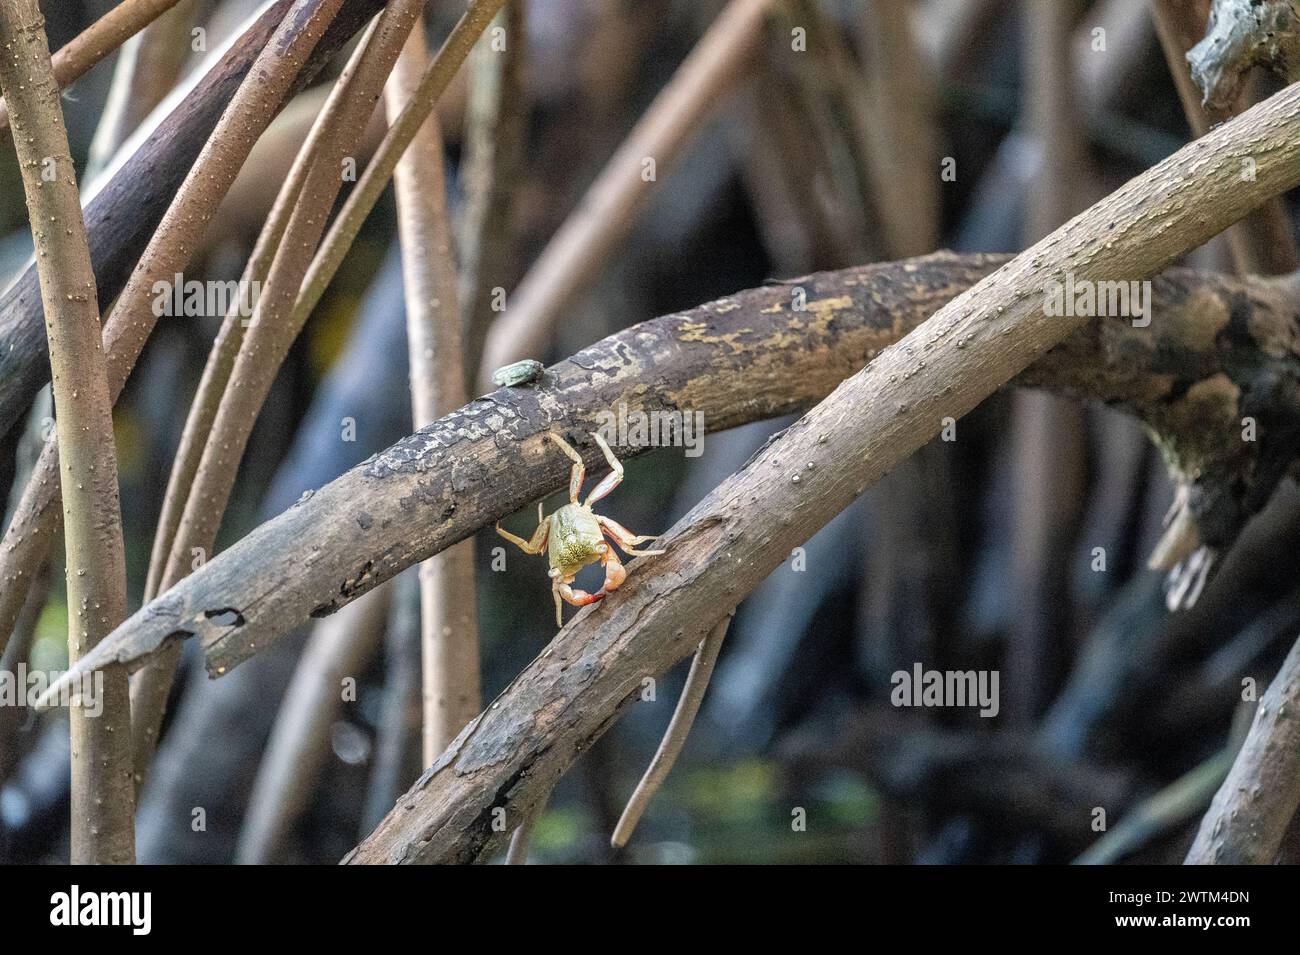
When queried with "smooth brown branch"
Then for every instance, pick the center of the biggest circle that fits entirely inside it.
(99, 40)
(1251, 811)
(153, 686)
(495, 116)
(400, 135)
(268, 338)
(899, 136)
(576, 253)
(230, 337)
(679, 727)
(448, 611)
(103, 803)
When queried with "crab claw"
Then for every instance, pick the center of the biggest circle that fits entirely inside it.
(579, 598)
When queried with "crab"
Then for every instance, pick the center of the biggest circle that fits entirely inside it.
(575, 535)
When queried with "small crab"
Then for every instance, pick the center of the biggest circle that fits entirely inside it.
(574, 536)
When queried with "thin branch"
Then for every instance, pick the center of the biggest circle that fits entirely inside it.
(147, 69)
(230, 338)
(116, 218)
(133, 317)
(267, 341)
(679, 727)
(103, 804)
(584, 243)
(99, 40)
(125, 208)
(899, 134)
(448, 611)
(517, 853)
(1172, 806)
(495, 117)
(400, 135)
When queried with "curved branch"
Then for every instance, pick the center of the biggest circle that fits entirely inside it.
(122, 215)
(469, 468)
(743, 358)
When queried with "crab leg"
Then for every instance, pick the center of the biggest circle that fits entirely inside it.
(611, 480)
(625, 538)
(579, 472)
(537, 543)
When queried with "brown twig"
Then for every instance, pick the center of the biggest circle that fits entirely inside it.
(495, 118)
(679, 727)
(266, 342)
(99, 40)
(448, 613)
(103, 804)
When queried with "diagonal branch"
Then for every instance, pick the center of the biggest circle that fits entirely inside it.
(743, 358)
(122, 215)
(1252, 809)
(99, 40)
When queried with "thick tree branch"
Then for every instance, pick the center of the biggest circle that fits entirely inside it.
(736, 359)
(742, 531)
(743, 358)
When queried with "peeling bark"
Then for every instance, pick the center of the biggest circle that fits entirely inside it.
(1241, 34)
